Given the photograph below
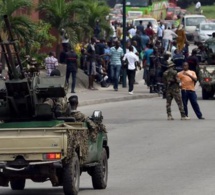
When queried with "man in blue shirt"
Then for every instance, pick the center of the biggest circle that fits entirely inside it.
(116, 54)
(146, 63)
(144, 40)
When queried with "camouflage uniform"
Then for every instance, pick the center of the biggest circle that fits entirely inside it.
(172, 91)
(80, 117)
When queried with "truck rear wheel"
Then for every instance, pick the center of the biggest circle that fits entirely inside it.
(71, 176)
(17, 184)
(99, 173)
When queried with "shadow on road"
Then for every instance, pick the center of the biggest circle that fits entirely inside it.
(36, 191)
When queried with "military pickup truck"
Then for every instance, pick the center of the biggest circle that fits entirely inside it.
(207, 81)
(207, 71)
(39, 140)
(55, 150)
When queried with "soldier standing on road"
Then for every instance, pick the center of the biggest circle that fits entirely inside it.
(173, 91)
(72, 68)
(188, 79)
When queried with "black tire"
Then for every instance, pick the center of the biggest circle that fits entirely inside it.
(17, 184)
(99, 173)
(205, 94)
(71, 176)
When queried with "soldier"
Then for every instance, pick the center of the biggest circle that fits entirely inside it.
(173, 91)
(80, 117)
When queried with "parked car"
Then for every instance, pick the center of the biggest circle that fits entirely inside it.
(190, 23)
(203, 32)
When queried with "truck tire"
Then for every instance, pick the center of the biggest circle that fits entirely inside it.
(17, 184)
(71, 176)
(205, 94)
(99, 173)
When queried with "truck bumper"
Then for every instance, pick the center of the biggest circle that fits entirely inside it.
(4, 165)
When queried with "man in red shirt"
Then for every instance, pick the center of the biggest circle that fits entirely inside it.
(149, 32)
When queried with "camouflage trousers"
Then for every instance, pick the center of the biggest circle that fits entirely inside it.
(174, 94)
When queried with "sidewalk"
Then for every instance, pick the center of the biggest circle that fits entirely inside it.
(105, 95)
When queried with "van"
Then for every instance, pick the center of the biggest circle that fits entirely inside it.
(145, 21)
(190, 23)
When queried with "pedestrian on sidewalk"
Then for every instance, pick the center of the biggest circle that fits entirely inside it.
(72, 68)
(173, 91)
(188, 80)
(116, 54)
(132, 59)
(91, 59)
(51, 63)
(146, 62)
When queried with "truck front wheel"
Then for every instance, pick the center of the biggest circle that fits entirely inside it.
(99, 173)
(71, 176)
(17, 184)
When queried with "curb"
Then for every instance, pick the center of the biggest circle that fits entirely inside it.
(118, 99)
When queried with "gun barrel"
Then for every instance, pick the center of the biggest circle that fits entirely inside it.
(12, 41)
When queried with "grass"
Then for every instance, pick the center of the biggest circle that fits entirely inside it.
(208, 11)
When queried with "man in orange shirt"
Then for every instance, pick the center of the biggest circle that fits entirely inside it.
(188, 79)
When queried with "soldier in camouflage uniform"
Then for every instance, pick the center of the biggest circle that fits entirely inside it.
(80, 117)
(173, 91)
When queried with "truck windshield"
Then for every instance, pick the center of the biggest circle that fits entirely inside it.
(137, 3)
(195, 21)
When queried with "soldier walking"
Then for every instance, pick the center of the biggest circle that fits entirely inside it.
(173, 91)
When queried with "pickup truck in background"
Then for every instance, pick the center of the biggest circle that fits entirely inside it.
(207, 81)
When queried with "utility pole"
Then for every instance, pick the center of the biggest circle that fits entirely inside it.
(124, 74)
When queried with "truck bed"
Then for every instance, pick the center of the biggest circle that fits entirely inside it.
(32, 143)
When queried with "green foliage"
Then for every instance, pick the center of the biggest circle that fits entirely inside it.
(40, 38)
(95, 10)
(21, 25)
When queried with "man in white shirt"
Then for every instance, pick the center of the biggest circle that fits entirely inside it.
(167, 38)
(160, 31)
(51, 63)
(198, 6)
(113, 31)
(132, 32)
(132, 59)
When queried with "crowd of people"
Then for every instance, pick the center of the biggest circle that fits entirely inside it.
(104, 61)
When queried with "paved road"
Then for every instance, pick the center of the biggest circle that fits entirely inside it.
(150, 155)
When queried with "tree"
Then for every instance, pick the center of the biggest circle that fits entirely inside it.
(60, 14)
(21, 25)
(95, 10)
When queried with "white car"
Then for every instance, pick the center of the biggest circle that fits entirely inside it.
(203, 32)
(145, 21)
(190, 23)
